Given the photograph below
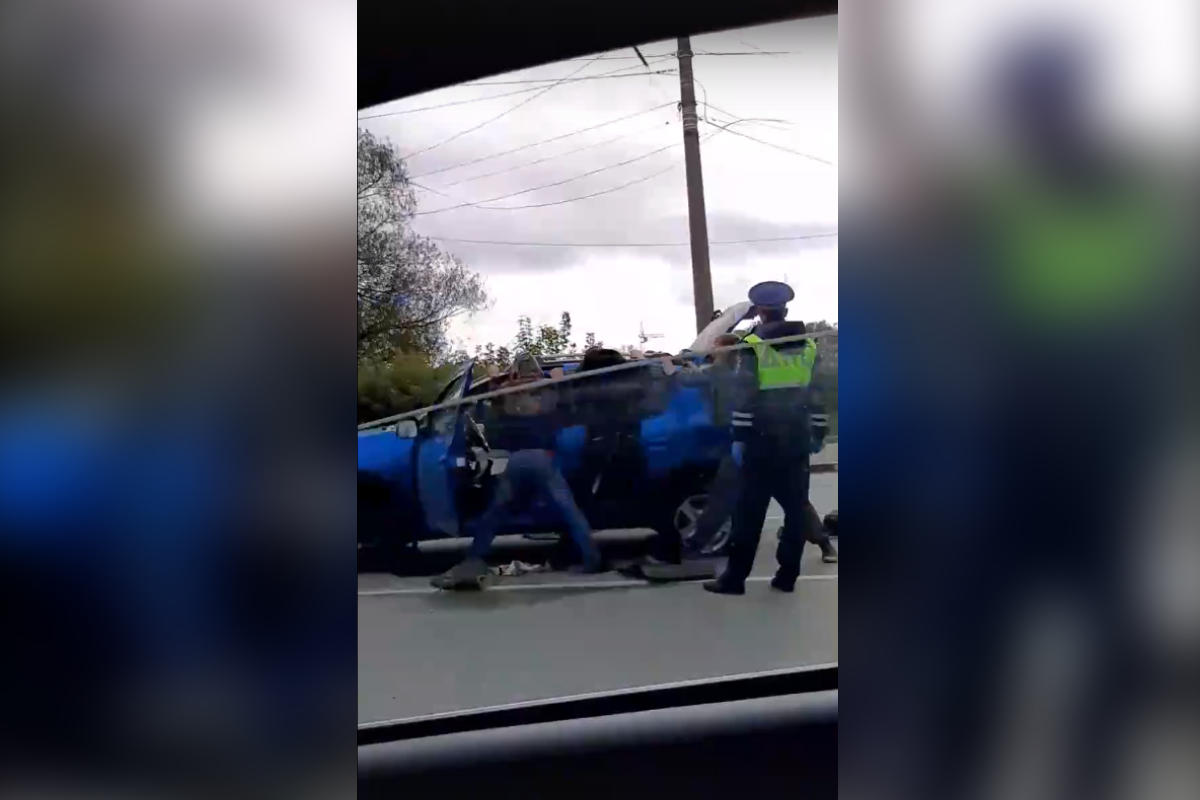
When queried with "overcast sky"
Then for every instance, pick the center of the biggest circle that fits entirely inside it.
(754, 190)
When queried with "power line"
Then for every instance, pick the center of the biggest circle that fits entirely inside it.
(613, 74)
(755, 52)
(830, 235)
(501, 94)
(607, 57)
(480, 203)
(754, 47)
(574, 80)
(739, 116)
(545, 141)
(770, 144)
(749, 53)
(447, 105)
(574, 199)
(587, 146)
(431, 189)
(569, 199)
(525, 102)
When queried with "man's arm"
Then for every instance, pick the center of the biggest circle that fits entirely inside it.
(743, 393)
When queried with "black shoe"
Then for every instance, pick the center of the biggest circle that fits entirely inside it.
(782, 584)
(720, 586)
(829, 555)
(588, 568)
(468, 574)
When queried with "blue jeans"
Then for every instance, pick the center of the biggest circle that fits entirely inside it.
(530, 474)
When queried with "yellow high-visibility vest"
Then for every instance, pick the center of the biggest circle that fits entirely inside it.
(778, 370)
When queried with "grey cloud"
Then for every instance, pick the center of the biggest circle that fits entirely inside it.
(653, 211)
(617, 223)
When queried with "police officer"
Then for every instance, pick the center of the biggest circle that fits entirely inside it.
(771, 437)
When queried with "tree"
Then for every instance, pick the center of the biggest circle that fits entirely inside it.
(589, 341)
(408, 288)
(546, 340)
(564, 333)
(404, 383)
(825, 378)
(525, 341)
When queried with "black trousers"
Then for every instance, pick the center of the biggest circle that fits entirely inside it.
(769, 473)
(814, 529)
(722, 501)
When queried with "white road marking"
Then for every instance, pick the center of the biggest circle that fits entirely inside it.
(578, 585)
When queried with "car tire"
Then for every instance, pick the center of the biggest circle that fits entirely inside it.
(675, 518)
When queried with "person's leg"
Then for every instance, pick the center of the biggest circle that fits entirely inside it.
(748, 518)
(789, 485)
(515, 483)
(489, 521)
(549, 480)
(722, 499)
(814, 531)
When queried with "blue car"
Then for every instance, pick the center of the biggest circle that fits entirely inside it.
(430, 474)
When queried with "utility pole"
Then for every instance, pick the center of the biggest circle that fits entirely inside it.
(697, 222)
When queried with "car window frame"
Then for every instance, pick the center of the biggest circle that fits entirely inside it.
(454, 390)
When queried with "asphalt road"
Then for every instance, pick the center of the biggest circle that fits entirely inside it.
(545, 635)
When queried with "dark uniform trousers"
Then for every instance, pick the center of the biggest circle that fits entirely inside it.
(771, 470)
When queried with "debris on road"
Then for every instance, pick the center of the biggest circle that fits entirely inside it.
(515, 568)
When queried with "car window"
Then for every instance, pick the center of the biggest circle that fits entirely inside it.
(441, 422)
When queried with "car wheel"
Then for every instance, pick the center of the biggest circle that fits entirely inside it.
(683, 520)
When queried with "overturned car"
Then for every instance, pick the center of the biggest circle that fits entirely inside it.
(639, 441)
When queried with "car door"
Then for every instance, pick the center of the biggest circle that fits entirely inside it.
(724, 322)
(441, 460)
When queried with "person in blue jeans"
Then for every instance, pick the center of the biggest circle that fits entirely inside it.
(521, 425)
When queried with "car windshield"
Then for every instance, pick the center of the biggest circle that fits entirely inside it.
(586, 451)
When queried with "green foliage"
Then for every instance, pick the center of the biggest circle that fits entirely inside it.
(826, 376)
(405, 383)
(492, 356)
(408, 287)
(547, 340)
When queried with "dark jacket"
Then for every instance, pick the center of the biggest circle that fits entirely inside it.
(523, 420)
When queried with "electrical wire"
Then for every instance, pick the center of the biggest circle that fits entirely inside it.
(431, 189)
(607, 57)
(829, 235)
(575, 80)
(501, 94)
(739, 116)
(570, 199)
(613, 74)
(544, 159)
(480, 203)
(448, 105)
(748, 53)
(769, 144)
(490, 120)
(545, 141)
(575, 199)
